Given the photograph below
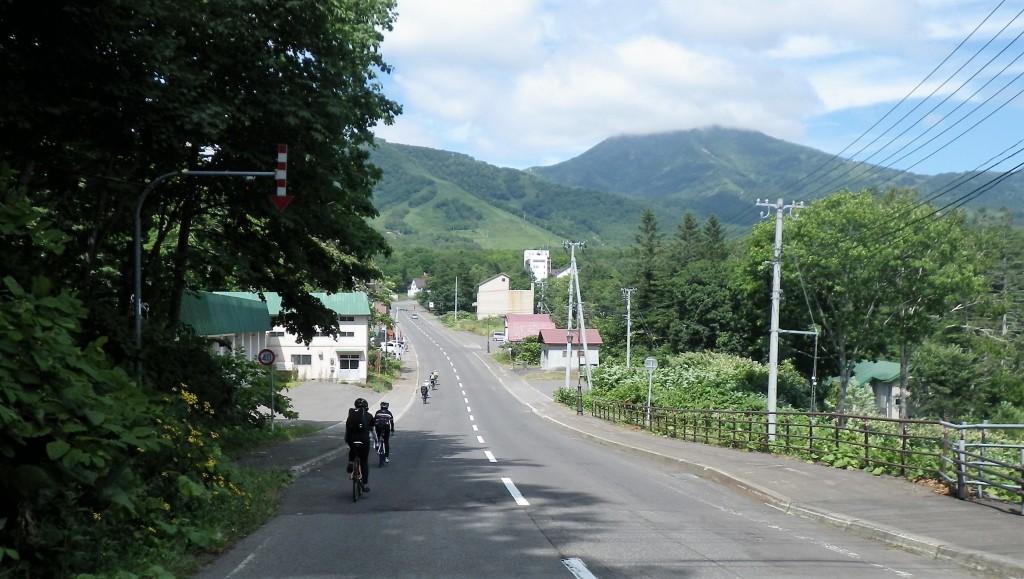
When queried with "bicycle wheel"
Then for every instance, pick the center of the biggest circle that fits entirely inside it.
(380, 456)
(355, 482)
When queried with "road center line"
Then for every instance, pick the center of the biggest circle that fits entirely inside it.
(490, 456)
(466, 400)
(475, 429)
(512, 490)
(480, 439)
(471, 418)
(468, 409)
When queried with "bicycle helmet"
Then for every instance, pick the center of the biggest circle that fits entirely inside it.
(362, 403)
(383, 405)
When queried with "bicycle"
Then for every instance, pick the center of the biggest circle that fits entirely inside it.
(357, 474)
(423, 392)
(381, 451)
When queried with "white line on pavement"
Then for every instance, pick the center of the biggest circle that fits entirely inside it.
(515, 492)
(578, 569)
(490, 456)
(479, 439)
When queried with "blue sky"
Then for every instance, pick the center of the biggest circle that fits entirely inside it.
(522, 83)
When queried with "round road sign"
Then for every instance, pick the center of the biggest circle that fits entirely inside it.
(266, 357)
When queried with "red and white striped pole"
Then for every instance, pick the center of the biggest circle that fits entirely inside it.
(282, 199)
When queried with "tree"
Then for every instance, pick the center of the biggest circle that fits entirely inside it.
(646, 253)
(874, 284)
(102, 99)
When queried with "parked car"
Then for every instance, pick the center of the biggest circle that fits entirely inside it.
(394, 348)
(498, 336)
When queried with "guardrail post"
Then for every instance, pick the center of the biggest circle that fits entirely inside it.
(961, 465)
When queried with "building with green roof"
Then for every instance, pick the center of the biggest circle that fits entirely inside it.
(340, 359)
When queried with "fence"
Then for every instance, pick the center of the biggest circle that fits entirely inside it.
(961, 455)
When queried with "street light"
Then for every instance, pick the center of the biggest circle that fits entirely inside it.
(137, 240)
(651, 364)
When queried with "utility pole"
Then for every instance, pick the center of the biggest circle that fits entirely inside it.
(456, 301)
(570, 246)
(773, 343)
(627, 292)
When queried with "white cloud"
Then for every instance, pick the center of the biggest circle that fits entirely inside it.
(531, 82)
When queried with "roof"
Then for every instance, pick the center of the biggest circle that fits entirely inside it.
(557, 336)
(522, 326)
(492, 278)
(343, 304)
(867, 371)
(211, 314)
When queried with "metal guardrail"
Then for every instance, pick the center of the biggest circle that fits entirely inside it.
(961, 455)
(977, 462)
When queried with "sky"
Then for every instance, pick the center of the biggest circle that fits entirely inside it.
(906, 84)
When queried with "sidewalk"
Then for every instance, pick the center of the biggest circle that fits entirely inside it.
(917, 518)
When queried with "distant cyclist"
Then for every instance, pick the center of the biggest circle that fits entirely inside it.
(357, 436)
(433, 379)
(423, 391)
(384, 426)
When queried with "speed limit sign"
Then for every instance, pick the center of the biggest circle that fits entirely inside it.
(266, 357)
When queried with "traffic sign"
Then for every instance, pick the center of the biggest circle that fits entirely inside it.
(266, 357)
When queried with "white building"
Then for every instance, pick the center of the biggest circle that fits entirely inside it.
(494, 298)
(538, 261)
(341, 359)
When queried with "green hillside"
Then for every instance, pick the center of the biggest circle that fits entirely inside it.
(430, 197)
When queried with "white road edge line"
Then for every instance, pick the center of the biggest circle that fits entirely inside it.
(512, 490)
(578, 568)
(490, 456)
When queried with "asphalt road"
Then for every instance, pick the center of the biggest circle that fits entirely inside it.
(479, 486)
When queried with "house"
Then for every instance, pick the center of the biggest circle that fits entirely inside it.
(884, 380)
(234, 324)
(520, 326)
(494, 298)
(417, 285)
(553, 348)
(341, 359)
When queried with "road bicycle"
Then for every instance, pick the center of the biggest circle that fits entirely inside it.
(423, 391)
(381, 451)
(357, 473)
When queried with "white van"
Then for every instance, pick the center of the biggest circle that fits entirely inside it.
(498, 336)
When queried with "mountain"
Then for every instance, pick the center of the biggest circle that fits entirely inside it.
(435, 197)
(724, 171)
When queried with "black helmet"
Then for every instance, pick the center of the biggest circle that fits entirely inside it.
(384, 405)
(362, 403)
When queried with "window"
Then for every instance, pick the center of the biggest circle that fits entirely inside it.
(346, 334)
(346, 318)
(302, 359)
(348, 361)
(276, 334)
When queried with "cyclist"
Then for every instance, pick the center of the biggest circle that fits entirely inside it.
(357, 436)
(384, 427)
(423, 391)
(433, 379)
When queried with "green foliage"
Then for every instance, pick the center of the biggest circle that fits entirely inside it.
(526, 351)
(697, 381)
